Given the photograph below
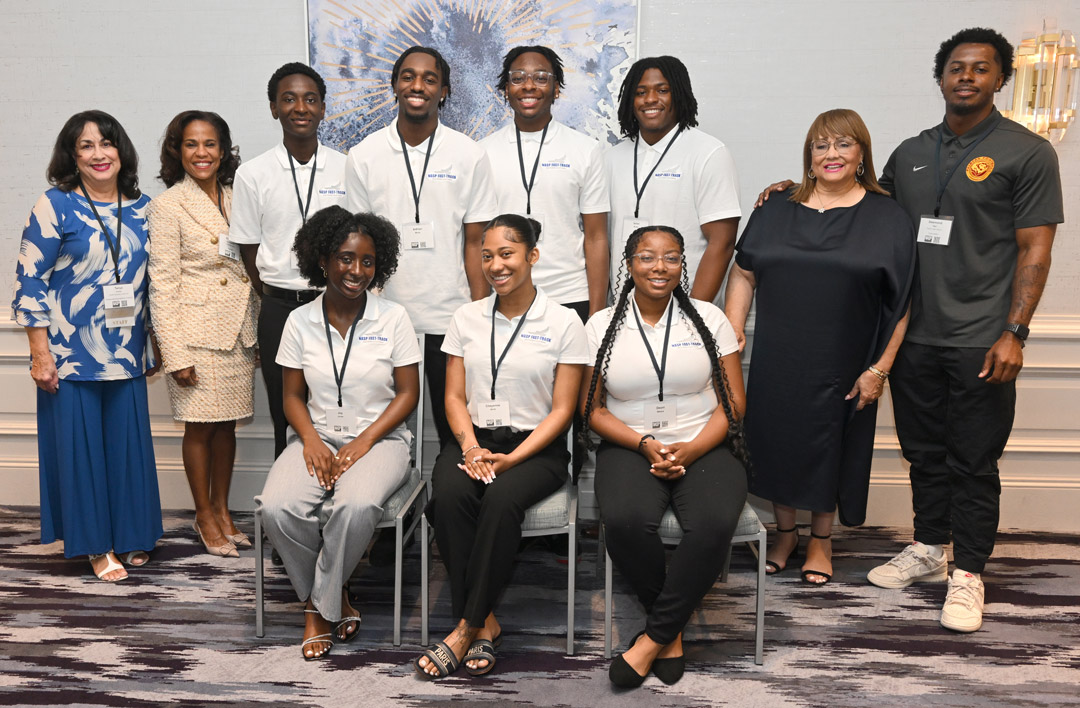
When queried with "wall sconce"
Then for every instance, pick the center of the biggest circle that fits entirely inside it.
(1046, 83)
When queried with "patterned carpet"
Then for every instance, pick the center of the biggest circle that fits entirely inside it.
(180, 632)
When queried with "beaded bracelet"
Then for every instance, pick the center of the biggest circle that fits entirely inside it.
(466, 451)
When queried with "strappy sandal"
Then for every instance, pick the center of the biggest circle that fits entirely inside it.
(109, 567)
(442, 657)
(772, 567)
(806, 572)
(481, 649)
(348, 636)
(317, 639)
(135, 558)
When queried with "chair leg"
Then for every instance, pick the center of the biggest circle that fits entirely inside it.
(424, 575)
(759, 629)
(727, 566)
(399, 549)
(259, 610)
(572, 566)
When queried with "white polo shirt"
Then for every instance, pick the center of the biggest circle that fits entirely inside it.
(696, 183)
(383, 339)
(570, 181)
(265, 210)
(552, 334)
(429, 283)
(631, 379)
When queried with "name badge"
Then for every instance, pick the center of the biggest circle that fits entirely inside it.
(659, 415)
(227, 248)
(631, 225)
(935, 230)
(418, 237)
(119, 300)
(538, 218)
(493, 414)
(342, 420)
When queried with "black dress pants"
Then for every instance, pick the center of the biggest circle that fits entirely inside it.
(708, 502)
(272, 317)
(478, 526)
(435, 373)
(953, 427)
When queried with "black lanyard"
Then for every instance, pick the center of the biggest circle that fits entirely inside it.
(311, 183)
(339, 378)
(408, 167)
(662, 368)
(222, 208)
(640, 192)
(942, 184)
(495, 365)
(521, 161)
(114, 246)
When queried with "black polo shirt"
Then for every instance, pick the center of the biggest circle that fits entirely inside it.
(1009, 181)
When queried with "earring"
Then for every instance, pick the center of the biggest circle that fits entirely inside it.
(860, 170)
(810, 173)
(323, 271)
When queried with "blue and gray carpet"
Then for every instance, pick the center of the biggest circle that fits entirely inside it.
(180, 632)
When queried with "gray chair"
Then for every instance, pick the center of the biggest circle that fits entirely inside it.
(749, 530)
(554, 515)
(412, 494)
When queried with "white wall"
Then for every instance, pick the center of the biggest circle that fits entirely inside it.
(762, 70)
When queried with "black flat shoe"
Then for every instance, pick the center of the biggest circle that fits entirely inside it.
(622, 675)
(669, 670)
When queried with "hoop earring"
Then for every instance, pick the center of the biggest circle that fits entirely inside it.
(860, 170)
(323, 271)
(810, 173)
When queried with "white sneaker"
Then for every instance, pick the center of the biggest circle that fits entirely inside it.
(964, 603)
(914, 564)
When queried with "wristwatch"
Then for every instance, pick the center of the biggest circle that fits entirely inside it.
(1019, 331)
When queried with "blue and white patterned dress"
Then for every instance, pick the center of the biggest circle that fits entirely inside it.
(64, 261)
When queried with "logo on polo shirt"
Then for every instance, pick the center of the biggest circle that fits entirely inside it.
(444, 175)
(332, 191)
(371, 338)
(525, 336)
(980, 168)
(555, 164)
(668, 174)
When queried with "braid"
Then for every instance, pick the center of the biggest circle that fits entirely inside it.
(603, 357)
(735, 437)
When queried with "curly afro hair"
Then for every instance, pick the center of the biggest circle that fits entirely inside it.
(976, 35)
(323, 234)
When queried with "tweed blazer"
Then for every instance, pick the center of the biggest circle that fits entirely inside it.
(198, 298)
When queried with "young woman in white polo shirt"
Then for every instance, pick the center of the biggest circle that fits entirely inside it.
(514, 367)
(349, 362)
(666, 395)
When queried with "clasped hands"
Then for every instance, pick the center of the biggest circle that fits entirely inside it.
(483, 465)
(327, 467)
(668, 460)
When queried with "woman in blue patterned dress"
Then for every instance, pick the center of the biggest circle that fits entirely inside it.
(80, 292)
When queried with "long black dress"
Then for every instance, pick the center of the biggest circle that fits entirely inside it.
(830, 289)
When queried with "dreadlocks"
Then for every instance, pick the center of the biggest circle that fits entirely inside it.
(682, 95)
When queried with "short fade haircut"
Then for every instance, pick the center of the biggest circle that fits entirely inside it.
(289, 69)
(1003, 51)
(440, 62)
(547, 52)
(682, 95)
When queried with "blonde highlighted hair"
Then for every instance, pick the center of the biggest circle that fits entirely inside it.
(839, 122)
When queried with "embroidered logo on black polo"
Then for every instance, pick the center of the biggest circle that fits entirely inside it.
(980, 168)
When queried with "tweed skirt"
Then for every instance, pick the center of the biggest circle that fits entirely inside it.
(224, 389)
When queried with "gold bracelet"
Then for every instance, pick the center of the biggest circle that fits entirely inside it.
(882, 375)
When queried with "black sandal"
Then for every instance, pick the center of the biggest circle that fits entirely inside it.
(442, 657)
(772, 567)
(823, 574)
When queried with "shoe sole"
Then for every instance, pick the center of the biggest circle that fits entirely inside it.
(961, 628)
(894, 584)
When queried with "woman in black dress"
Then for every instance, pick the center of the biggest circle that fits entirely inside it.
(831, 267)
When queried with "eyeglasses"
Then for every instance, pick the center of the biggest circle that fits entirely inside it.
(648, 259)
(843, 146)
(540, 78)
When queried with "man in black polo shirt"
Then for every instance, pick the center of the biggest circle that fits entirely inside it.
(985, 195)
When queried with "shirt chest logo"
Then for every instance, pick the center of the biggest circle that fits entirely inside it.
(979, 168)
(668, 174)
(331, 191)
(442, 176)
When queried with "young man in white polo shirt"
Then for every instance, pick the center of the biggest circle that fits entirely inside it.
(273, 196)
(667, 172)
(434, 184)
(554, 174)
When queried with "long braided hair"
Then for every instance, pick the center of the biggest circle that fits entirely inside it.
(736, 438)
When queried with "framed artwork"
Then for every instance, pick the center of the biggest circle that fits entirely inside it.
(354, 45)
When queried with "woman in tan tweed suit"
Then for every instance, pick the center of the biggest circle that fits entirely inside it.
(204, 312)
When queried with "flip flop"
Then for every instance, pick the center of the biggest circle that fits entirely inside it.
(442, 657)
(480, 649)
(111, 566)
(135, 558)
(349, 636)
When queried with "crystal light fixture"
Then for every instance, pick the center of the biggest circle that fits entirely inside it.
(1046, 83)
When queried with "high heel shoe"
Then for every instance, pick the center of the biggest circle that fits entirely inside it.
(807, 571)
(772, 567)
(225, 550)
(239, 539)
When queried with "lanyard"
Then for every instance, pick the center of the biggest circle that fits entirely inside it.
(521, 161)
(938, 182)
(495, 365)
(640, 192)
(226, 217)
(311, 184)
(114, 246)
(339, 378)
(408, 167)
(662, 368)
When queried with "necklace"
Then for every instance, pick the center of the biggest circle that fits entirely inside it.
(823, 206)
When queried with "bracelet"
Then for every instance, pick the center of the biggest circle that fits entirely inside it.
(882, 375)
(465, 451)
(641, 443)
